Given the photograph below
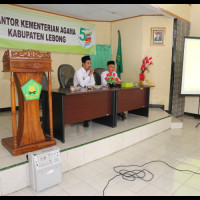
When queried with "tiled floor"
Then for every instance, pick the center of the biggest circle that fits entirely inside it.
(180, 148)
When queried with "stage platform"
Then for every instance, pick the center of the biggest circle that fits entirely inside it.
(83, 145)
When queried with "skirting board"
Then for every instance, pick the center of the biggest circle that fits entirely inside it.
(7, 109)
(156, 106)
(196, 116)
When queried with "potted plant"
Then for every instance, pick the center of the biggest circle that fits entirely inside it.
(146, 63)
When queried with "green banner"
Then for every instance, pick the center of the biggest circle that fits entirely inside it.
(22, 28)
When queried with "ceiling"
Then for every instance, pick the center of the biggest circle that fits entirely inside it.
(98, 12)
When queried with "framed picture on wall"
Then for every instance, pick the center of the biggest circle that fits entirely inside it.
(158, 36)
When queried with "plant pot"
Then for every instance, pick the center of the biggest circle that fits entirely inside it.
(111, 85)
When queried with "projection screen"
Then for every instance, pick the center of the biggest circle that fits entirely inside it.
(191, 67)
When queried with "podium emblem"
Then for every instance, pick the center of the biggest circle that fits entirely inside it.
(31, 90)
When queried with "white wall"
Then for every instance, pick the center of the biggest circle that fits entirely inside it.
(135, 36)
(135, 33)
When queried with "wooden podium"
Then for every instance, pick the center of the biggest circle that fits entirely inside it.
(24, 66)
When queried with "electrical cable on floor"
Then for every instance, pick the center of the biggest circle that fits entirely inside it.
(132, 175)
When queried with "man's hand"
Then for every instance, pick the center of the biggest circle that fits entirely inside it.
(91, 72)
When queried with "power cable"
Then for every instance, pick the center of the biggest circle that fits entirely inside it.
(132, 175)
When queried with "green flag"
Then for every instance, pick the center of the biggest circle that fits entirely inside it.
(119, 57)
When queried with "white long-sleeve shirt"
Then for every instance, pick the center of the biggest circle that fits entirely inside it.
(104, 75)
(81, 77)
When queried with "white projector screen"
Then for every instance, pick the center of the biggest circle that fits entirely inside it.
(191, 67)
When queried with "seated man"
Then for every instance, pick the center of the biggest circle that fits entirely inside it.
(84, 77)
(111, 67)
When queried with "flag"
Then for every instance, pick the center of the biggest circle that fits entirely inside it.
(119, 57)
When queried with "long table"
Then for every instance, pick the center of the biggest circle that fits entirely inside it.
(98, 105)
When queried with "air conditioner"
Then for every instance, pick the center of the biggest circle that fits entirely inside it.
(44, 168)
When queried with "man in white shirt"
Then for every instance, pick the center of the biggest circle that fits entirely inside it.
(110, 67)
(84, 75)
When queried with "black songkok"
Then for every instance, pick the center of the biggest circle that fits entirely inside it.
(111, 63)
(85, 58)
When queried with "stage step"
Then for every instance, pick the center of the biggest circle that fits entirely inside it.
(176, 123)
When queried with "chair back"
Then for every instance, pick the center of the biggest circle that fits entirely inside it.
(65, 75)
(97, 75)
(44, 82)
